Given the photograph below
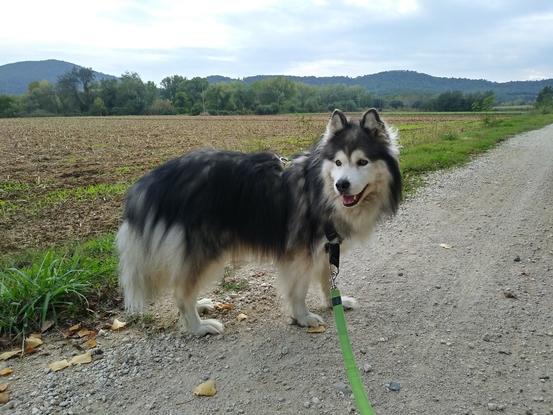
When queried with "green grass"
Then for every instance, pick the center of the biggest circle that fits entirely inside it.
(11, 190)
(33, 204)
(7, 207)
(123, 170)
(55, 284)
(83, 193)
(445, 147)
(13, 187)
(233, 285)
(230, 282)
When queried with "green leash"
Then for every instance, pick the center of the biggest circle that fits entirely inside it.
(354, 377)
(333, 246)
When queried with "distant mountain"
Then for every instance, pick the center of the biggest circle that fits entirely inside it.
(15, 77)
(412, 83)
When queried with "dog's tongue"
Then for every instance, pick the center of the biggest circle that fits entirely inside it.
(349, 199)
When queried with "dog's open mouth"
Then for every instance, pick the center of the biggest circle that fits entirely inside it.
(352, 200)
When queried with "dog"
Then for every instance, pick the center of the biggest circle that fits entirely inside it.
(186, 219)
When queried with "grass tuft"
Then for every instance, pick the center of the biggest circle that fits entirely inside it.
(55, 284)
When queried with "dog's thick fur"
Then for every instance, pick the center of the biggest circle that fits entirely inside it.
(186, 219)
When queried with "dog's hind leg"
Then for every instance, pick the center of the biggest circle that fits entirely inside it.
(203, 305)
(187, 286)
(323, 272)
(296, 276)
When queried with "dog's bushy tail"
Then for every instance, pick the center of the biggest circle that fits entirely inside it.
(134, 276)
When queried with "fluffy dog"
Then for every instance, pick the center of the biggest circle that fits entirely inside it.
(186, 219)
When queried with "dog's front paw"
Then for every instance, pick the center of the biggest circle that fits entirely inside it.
(207, 326)
(309, 320)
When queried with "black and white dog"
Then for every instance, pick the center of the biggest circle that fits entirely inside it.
(186, 219)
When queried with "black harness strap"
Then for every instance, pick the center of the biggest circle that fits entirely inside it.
(333, 244)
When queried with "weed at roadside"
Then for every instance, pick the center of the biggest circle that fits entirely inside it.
(55, 284)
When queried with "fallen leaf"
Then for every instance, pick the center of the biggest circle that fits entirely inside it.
(6, 371)
(3, 387)
(59, 365)
(90, 343)
(4, 397)
(75, 327)
(81, 358)
(9, 355)
(32, 342)
(118, 324)
(46, 325)
(206, 389)
(224, 306)
(85, 333)
(241, 317)
(445, 246)
(318, 329)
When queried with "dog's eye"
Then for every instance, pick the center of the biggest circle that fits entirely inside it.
(362, 162)
(338, 163)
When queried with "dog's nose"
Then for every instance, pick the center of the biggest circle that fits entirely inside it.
(342, 185)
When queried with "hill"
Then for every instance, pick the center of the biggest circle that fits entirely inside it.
(413, 83)
(14, 77)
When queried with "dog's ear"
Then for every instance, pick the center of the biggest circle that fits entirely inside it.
(371, 121)
(337, 122)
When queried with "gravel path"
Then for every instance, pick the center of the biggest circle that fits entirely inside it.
(463, 329)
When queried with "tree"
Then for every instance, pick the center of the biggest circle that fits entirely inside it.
(161, 107)
(9, 106)
(182, 102)
(481, 101)
(274, 90)
(98, 107)
(85, 77)
(131, 95)
(545, 97)
(41, 97)
(151, 93)
(396, 104)
(169, 87)
(243, 97)
(107, 90)
(450, 101)
(219, 99)
(74, 89)
(196, 89)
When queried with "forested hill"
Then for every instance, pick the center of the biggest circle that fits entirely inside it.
(411, 82)
(15, 77)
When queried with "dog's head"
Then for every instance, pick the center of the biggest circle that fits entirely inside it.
(360, 161)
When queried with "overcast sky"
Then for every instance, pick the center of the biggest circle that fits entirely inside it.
(499, 40)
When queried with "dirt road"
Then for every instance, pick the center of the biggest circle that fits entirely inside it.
(464, 328)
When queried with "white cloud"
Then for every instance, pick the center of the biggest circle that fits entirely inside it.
(387, 8)
(121, 24)
(336, 67)
(498, 39)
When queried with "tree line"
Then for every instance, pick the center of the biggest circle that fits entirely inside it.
(78, 93)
